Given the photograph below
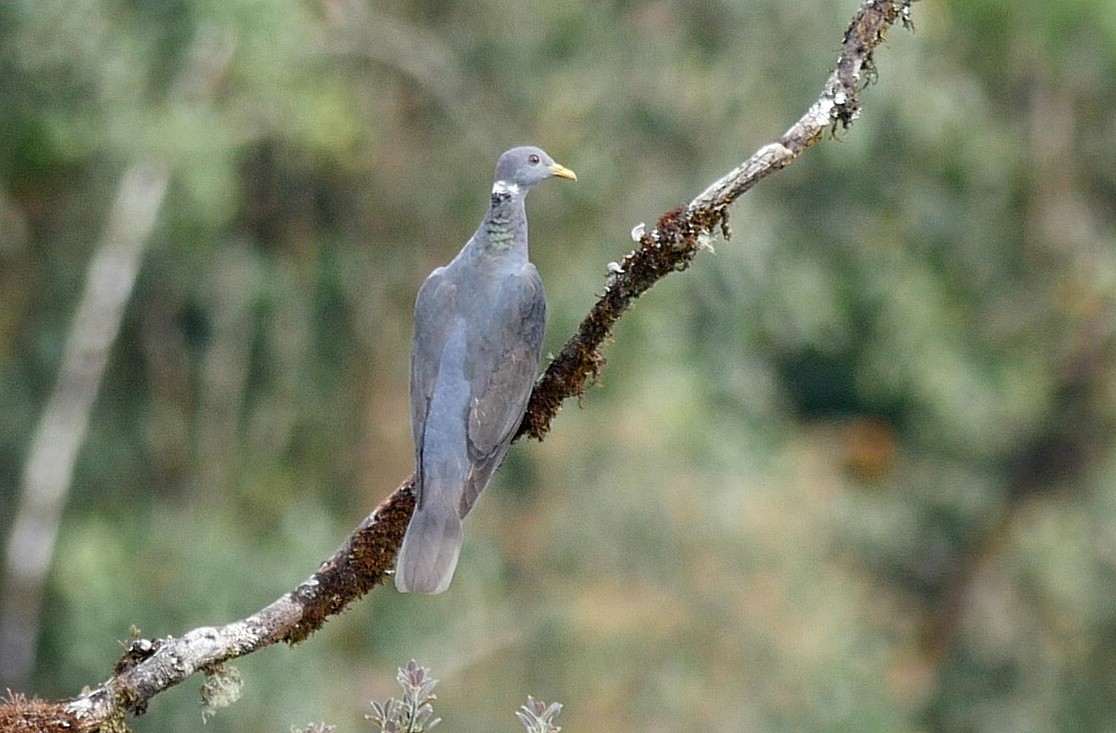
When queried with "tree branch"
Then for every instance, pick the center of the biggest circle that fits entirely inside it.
(368, 555)
(682, 233)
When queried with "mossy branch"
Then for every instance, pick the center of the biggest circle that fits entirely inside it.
(367, 556)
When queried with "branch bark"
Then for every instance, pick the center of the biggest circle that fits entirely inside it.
(368, 555)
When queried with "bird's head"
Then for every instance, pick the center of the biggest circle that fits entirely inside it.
(521, 168)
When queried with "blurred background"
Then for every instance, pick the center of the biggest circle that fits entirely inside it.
(853, 472)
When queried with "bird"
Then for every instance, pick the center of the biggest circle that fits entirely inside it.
(475, 353)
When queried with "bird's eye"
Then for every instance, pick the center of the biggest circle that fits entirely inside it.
(533, 159)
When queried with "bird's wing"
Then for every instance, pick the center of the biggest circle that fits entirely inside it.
(504, 361)
(434, 308)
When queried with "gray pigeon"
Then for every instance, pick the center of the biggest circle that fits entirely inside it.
(478, 339)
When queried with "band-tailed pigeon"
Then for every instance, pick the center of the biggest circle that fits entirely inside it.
(478, 339)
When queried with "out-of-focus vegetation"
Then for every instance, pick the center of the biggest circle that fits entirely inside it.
(855, 472)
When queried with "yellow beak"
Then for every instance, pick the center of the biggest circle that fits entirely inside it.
(563, 172)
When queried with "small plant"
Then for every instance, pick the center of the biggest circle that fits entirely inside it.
(415, 712)
(315, 728)
(538, 717)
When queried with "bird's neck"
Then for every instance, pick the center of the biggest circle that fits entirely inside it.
(506, 218)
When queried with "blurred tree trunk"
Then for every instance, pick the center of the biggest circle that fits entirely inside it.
(61, 431)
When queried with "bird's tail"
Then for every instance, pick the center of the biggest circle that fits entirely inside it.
(429, 553)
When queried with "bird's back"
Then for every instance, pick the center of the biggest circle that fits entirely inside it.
(477, 342)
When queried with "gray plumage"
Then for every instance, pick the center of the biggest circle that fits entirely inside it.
(477, 343)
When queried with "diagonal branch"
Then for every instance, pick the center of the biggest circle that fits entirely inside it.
(682, 233)
(368, 554)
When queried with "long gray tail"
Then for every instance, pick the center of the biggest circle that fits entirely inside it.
(430, 548)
